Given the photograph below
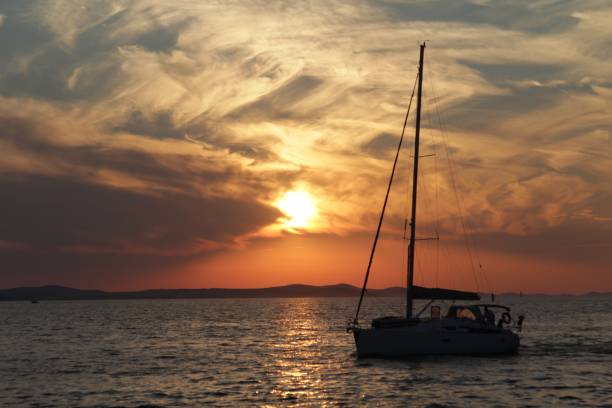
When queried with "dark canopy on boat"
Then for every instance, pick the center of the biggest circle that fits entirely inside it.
(443, 294)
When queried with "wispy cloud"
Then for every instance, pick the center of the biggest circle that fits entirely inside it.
(236, 102)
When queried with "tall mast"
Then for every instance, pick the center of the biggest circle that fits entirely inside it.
(415, 175)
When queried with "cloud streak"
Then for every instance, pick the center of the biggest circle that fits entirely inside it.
(213, 110)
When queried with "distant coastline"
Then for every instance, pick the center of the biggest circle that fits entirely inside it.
(289, 291)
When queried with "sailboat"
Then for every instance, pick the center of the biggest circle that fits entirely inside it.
(465, 329)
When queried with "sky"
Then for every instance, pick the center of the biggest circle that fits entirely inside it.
(149, 144)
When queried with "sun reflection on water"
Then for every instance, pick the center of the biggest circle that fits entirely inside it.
(297, 354)
(260, 352)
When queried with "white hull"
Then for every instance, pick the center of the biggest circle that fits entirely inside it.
(434, 337)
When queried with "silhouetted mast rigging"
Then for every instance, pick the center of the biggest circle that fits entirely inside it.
(415, 175)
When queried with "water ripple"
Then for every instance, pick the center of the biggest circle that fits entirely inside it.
(192, 353)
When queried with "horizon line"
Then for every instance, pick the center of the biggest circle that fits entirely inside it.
(506, 293)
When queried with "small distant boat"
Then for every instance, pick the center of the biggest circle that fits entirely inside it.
(34, 300)
(465, 329)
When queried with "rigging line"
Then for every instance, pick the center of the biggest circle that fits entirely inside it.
(429, 201)
(406, 243)
(405, 216)
(382, 213)
(423, 184)
(437, 263)
(452, 278)
(436, 203)
(485, 278)
(460, 203)
(428, 198)
(460, 207)
(469, 231)
(403, 251)
(452, 172)
(432, 203)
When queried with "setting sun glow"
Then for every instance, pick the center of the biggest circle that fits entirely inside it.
(299, 208)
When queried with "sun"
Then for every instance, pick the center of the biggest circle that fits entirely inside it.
(299, 207)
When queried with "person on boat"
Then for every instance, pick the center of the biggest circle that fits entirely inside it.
(489, 316)
(519, 323)
(505, 319)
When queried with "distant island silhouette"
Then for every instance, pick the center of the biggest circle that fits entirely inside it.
(54, 292)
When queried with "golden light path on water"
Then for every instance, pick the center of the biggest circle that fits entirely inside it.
(299, 360)
(275, 352)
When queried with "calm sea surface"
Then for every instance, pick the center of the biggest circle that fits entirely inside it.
(286, 351)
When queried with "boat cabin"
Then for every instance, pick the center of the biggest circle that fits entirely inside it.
(479, 313)
(471, 312)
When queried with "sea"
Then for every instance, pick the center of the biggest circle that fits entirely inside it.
(276, 352)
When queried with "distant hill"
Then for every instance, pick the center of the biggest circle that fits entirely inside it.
(289, 291)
